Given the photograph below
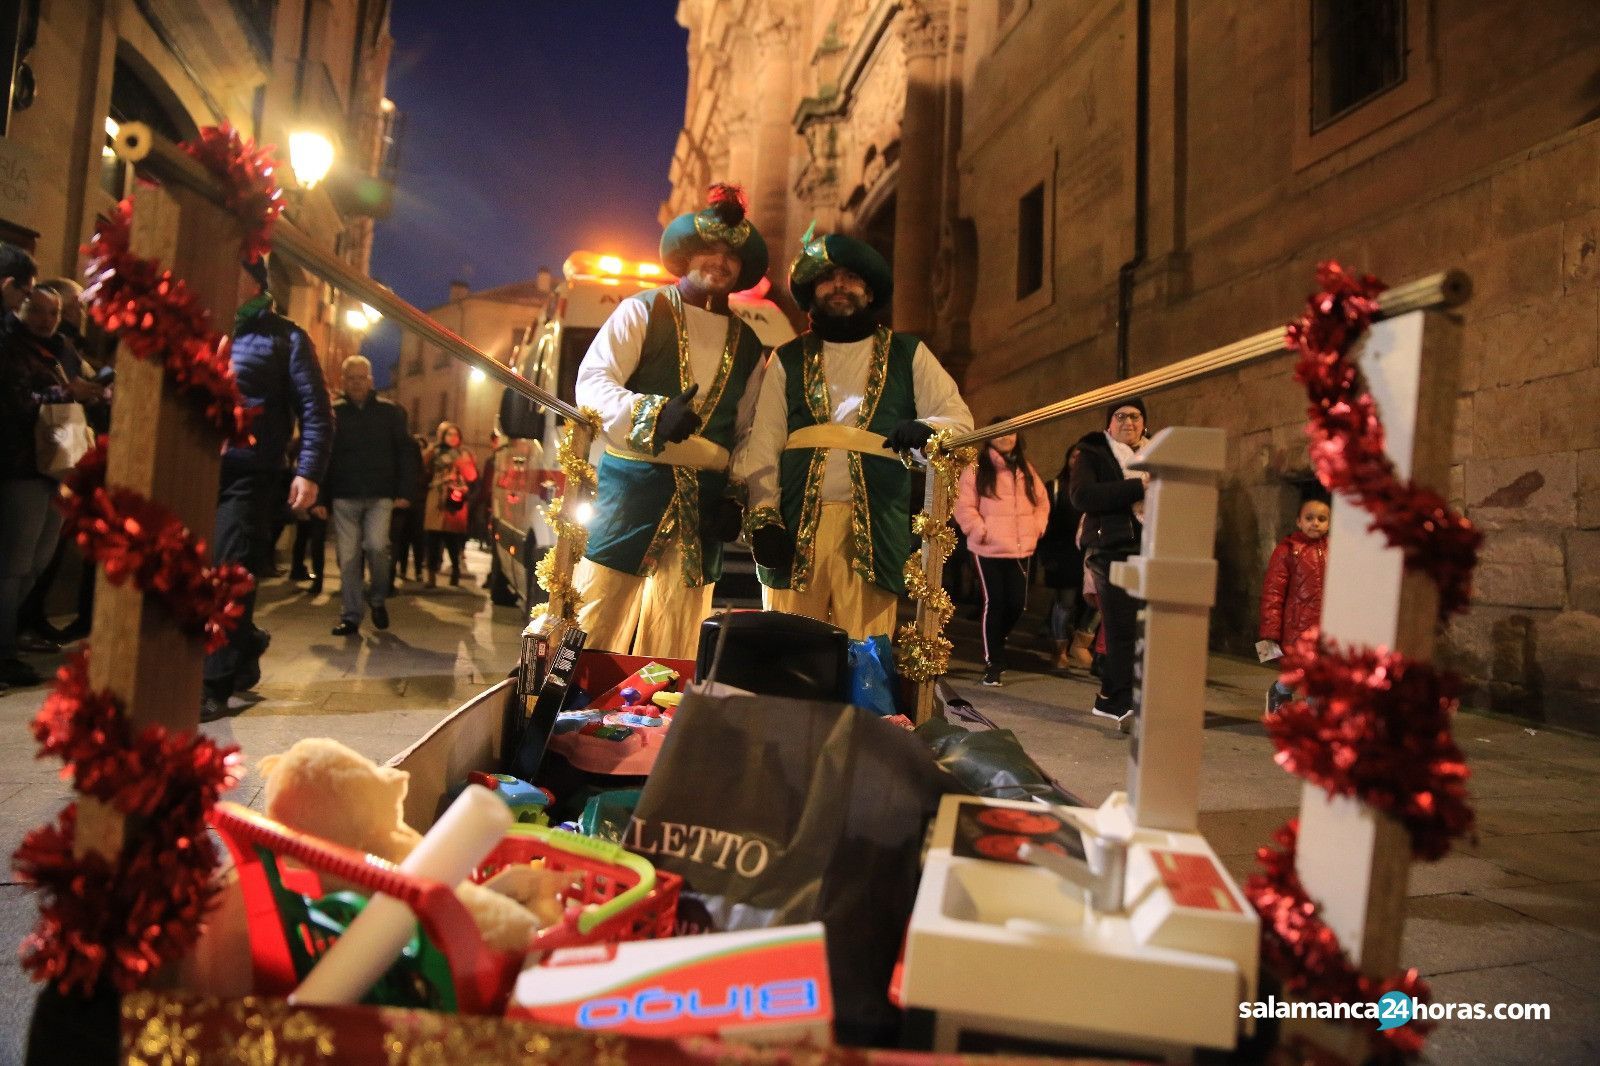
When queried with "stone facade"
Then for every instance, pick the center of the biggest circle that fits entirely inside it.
(432, 387)
(265, 68)
(1485, 156)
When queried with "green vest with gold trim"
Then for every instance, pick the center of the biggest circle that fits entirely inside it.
(641, 507)
(880, 540)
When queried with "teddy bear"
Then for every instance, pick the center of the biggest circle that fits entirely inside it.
(321, 787)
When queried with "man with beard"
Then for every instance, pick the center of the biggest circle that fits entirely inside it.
(668, 374)
(829, 518)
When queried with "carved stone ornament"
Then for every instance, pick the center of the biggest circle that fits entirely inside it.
(924, 26)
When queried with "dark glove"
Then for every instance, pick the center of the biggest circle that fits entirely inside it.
(676, 421)
(908, 436)
(722, 521)
(773, 548)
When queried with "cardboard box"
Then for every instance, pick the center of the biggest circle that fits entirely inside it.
(759, 985)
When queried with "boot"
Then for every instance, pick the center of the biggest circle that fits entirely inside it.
(1063, 660)
(1079, 650)
(433, 579)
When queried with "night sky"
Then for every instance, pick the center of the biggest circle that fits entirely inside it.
(532, 128)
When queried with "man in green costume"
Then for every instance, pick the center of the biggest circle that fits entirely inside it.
(668, 374)
(829, 499)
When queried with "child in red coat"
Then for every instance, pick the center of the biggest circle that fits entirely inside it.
(1291, 596)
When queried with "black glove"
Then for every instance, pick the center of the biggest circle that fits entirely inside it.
(773, 548)
(908, 436)
(722, 521)
(676, 420)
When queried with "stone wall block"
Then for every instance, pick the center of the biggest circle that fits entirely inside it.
(1554, 414)
(1569, 649)
(1583, 569)
(1522, 568)
(1541, 339)
(1517, 270)
(1533, 490)
(1589, 488)
(1580, 252)
(1557, 183)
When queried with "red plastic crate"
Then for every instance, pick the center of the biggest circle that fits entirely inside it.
(482, 977)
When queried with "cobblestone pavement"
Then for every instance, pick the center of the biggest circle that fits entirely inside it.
(1512, 918)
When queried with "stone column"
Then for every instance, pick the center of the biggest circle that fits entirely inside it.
(925, 28)
(774, 135)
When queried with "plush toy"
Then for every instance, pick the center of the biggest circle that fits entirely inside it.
(323, 788)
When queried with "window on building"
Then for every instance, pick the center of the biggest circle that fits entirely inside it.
(414, 364)
(1030, 241)
(1358, 52)
(138, 95)
(441, 358)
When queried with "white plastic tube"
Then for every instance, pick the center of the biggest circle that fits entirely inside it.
(469, 830)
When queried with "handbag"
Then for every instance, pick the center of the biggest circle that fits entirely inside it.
(61, 436)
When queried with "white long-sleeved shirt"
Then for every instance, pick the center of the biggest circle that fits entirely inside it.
(845, 366)
(614, 355)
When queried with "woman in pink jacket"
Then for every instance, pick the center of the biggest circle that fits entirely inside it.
(1002, 507)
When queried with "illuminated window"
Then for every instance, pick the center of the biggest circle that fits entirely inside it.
(1030, 241)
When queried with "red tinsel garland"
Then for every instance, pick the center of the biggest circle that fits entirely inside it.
(133, 538)
(1365, 722)
(1374, 724)
(247, 172)
(1346, 441)
(1298, 944)
(156, 318)
(117, 920)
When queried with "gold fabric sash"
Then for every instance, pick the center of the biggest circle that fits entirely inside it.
(696, 453)
(835, 435)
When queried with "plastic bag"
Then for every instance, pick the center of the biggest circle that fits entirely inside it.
(872, 676)
(991, 762)
(780, 812)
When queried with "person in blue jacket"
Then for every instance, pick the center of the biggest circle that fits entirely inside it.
(276, 367)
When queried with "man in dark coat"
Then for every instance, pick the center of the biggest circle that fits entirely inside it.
(276, 367)
(1111, 498)
(371, 474)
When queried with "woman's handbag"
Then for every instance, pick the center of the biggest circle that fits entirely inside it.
(61, 436)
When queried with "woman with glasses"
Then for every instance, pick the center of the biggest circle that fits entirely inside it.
(1111, 497)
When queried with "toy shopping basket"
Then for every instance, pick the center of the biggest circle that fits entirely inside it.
(613, 896)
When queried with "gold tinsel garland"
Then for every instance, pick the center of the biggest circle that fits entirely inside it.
(580, 478)
(922, 657)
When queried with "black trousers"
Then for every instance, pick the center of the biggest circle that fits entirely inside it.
(1005, 595)
(408, 540)
(440, 542)
(246, 501)
(310, 546)
(1119, 613)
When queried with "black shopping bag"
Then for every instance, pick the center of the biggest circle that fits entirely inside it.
(779, 811)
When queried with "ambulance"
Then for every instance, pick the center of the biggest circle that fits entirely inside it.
(526, 475)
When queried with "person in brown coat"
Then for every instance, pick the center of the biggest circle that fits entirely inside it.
(451, 471)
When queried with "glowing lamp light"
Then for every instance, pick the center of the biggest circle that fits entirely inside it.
(371, 314)
(310, 157)
(649, 270)
(477, 375)
(112, 127)
(356, 320)
(583, 513)
(610, 264)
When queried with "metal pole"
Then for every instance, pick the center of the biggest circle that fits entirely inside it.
(138, 145)
(1435, 291)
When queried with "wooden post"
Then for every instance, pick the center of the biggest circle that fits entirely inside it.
(930, 624)
(1354, 861)
(163, 448)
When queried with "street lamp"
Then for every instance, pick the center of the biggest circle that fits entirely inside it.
(310, 157)
(356, 320)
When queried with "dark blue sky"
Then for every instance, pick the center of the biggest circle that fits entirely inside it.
(532, 128)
